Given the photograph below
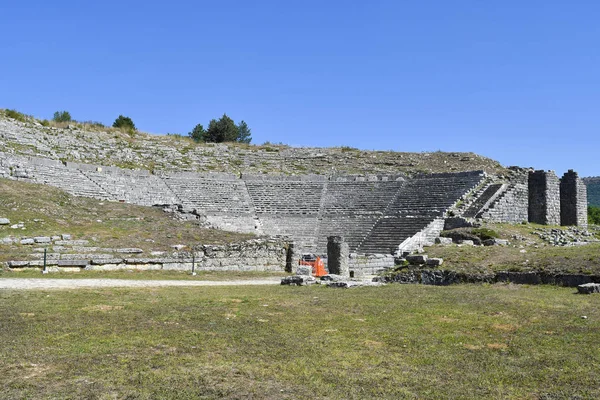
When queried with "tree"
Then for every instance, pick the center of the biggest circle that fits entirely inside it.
(124, 122)
(62, 116)
(222, 130)
(244, 133)
(594, 215)
(198, 133)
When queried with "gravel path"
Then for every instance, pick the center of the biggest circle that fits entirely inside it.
(36, 283)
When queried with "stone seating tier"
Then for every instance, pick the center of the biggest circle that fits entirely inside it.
(71, 181)
(389, 232)
(285, 197)
(358, 197)
(146, 190)
(211, 196)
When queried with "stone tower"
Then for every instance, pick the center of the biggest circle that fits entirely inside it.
(573, 200)
(544, 198)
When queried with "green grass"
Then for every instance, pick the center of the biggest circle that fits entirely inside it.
(399, 341)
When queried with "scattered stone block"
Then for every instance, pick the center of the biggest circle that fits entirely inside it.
(27, 241)
(346, 284)
(101, 261)
(416, 259)
(332, 277)
(434, 262)
(495, 242)
(65, 236)
(130, 250)
(589, 288)
(443, 241)
(4, 221)
(73, 263)
(7, 241)
(304, 270)
(298, 280)
(42, 239)
(178, 246)
(467, 242)
(18, 264)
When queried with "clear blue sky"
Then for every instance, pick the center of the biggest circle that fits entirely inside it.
(518, 81)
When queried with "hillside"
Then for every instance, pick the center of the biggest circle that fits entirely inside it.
(40, 210)
(88, 143)
(593, 190)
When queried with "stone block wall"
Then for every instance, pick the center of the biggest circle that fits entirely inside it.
(573, 200)
(512, 205)
(369, 264)
(252, 255)
(544, 198)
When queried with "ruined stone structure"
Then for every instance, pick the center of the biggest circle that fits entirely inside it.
(573, 200)
(544, 198)
(337, 256)
(377, 214)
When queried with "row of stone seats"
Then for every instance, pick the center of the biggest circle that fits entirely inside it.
(417, 203)
(70, 180)
(352, 227)
(210, 196)
(285, 197)
(432, 194)
(303, 228)
(390, 232)
(146, 190)
(358, 197)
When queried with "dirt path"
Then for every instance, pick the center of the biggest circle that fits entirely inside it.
(35, 283)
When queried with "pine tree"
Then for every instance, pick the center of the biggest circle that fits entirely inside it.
(244, 133)
(198, 133)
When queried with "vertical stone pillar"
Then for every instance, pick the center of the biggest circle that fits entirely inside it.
(544, 198)
(338, 253)
(573, 200)
(291, 258)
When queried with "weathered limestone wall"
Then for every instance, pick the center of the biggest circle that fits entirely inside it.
(544, 198)
(369, 264)
(573, 200)
(252, 255)
(512, 204)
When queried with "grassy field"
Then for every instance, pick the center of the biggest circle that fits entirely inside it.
(399, 341)
(526, 252)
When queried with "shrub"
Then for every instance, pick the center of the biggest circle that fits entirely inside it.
(62, 116)
(594, 215)
(485, 233)
(45, 122)
(124, 122)
(14, 114)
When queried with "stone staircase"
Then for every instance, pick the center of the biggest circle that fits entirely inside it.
(416, 205)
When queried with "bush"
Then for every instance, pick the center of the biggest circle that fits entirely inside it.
(594, 215)
(14, 114)
(124, 122)
(45, 122)
(485, 233)
(62, 116)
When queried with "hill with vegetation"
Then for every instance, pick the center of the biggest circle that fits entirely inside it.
(94, 143)
(593, 190)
